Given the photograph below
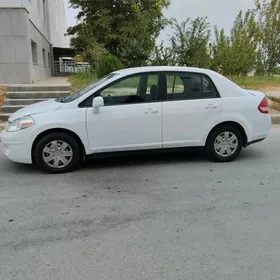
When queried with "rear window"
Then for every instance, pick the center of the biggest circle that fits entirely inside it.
(185, 85)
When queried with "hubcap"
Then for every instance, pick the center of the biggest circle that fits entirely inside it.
(57, 154)
(226, 144)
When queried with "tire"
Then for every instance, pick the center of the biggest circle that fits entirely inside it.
(54, 150)
(233, 146)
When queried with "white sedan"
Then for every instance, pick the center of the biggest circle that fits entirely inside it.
(147, 108)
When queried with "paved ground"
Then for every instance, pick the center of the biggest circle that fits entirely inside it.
(176, 217)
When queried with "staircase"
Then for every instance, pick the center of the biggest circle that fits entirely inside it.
(21, 96)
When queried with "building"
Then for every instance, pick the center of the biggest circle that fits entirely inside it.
(29, 32)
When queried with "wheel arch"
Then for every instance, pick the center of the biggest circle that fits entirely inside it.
(52, 130)
(234, 124)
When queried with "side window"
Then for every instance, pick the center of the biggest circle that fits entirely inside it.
(134, 89)
(209, 90)
(181, 86)
(174, 85)
(187, 86)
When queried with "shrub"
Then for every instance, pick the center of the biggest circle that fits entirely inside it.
(108, 64)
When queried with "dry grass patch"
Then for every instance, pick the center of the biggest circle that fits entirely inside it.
(274, 103)
(3, 92)
(276, 106)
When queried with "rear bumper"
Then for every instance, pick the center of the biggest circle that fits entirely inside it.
(254, 142)
(260, 129)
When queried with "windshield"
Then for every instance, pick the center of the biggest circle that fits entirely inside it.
(86, 89)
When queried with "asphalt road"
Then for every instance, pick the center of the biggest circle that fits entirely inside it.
(165, 217)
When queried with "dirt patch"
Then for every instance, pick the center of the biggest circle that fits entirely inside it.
(274, 111)
(3, 93)
(272, 92)
(275, 106)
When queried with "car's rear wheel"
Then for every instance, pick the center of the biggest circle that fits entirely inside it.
(57, 153)
(224, 143)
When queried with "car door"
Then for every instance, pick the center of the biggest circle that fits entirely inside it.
(131, 117)
(192, 107)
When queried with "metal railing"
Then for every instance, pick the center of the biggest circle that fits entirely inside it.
(61, 68)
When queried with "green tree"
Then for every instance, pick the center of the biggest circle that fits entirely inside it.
(220, 52)
(190, 42)
(125, 28)
(108, 64)
(236, 54)
(163, 56)
(87, 46)
(269, 25)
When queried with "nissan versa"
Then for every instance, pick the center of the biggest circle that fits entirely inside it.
(147, 108)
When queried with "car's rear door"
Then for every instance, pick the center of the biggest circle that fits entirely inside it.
(191, 108)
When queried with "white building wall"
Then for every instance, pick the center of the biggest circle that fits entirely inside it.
(14, 3)
(14, 46)
(24, 21)
(58, 23)
(50, 21)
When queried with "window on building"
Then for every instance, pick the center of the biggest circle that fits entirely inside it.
(49, 60)
(44, 58)
(44, 11)
(34, 52)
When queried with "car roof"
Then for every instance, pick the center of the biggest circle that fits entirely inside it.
(136, 70)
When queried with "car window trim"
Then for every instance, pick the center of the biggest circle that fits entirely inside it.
(165, 73)
(83, 104)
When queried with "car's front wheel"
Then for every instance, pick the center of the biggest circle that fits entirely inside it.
(224, 143)
(57, 153)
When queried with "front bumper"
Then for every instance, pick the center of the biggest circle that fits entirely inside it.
(17, 146)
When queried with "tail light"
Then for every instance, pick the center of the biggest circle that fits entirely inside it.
(264, 106)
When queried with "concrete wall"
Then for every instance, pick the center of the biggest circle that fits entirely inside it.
(14, 46)
(43, 22)
(15, 3)
(38, 71)
(39, 18)
(58, 24)
(16, 64)
(49, 20)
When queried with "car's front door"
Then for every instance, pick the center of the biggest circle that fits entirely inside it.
(192, 107)
(131, 117)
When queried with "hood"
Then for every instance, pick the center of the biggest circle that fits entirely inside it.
(37, 108)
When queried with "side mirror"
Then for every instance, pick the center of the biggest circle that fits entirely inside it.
(97, 102)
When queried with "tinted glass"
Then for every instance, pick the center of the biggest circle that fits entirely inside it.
(209, 90)
(184, 86)
(135, 89)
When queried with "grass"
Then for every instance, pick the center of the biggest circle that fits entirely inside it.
(257, 82)
(81, 80)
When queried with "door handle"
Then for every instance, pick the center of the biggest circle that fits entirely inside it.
(211, 106)
(151, 111)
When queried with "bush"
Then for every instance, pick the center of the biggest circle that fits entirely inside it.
(108, 64)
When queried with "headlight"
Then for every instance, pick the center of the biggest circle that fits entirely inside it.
(20, 124)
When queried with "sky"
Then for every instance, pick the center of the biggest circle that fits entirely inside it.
(219, 12)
